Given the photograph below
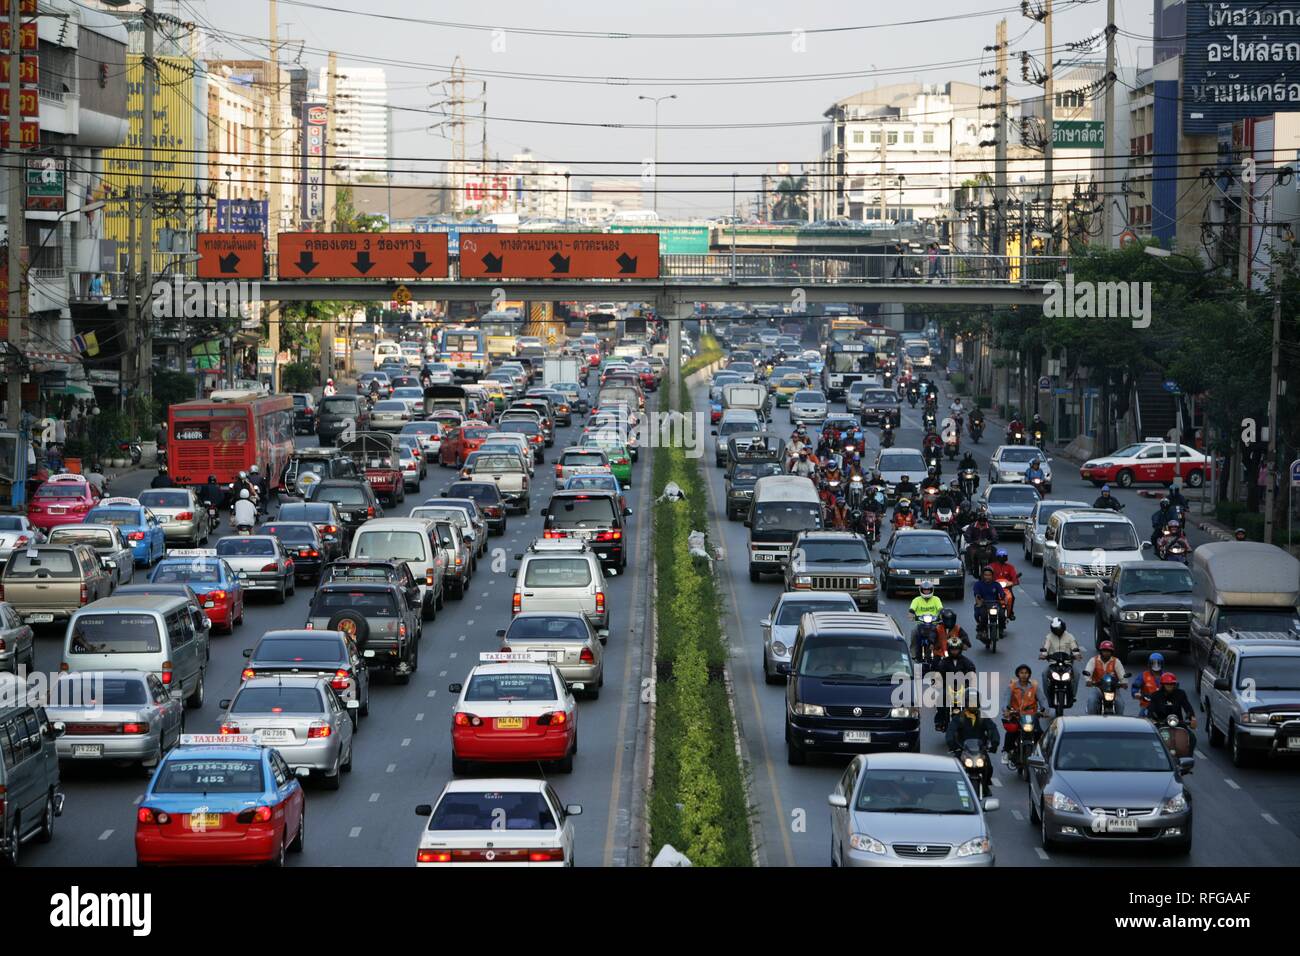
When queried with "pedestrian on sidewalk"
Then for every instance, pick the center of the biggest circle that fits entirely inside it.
(900, 267)
(936, 264)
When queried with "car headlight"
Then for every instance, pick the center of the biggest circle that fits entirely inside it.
(866, 581)
(1072, 569)
(905, 713)
(779, 649)
(1255, 718)
(809, 710)
(867, 844)
(975, 847)
(1061, 802)
(1130, 616)
(1175, 804)
(803, 580)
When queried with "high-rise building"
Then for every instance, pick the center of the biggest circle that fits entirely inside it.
(362, 132)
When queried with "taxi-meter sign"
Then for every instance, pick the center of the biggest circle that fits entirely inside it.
(225, 740)
(362, 255)
(511, 657)
(559, 255)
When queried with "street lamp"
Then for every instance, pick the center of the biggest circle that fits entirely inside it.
(900, 180)
(656, 100)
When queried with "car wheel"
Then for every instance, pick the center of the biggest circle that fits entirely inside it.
(1216, 735)
(754, 574)
(346, 766)
(11, 855)
(293, 585)
(280, 595)
(300, 838)
(593, 693)
(1124, 479)
(46, 832)
(1241, 757)
(1034, 818)
(459, 767)
(565, 765)
(1047, 841)
(331, 781)
(794, 756)
(440, 600)
(195, 700)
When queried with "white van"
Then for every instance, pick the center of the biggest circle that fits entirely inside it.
(413, 541)
(1081, 547)
(385, 350)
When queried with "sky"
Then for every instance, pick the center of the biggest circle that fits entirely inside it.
(527, 110)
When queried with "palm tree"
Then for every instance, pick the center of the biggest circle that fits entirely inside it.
(791, 198)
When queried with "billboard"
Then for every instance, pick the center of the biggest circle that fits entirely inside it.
(315, 118)
(1237, 62)
(674, 240)
(242, 215)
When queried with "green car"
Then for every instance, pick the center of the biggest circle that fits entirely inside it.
(620, 460)
(786, 387)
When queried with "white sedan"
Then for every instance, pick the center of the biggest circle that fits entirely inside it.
(497, 822)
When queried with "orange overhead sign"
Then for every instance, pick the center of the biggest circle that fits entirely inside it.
(231, 255)
(362, 255)
(559, 255)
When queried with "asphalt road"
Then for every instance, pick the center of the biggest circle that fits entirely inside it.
(403, 751)
(1243, 817)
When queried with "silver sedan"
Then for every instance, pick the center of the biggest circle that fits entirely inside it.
(183, 518)
(125, 716)
(301, 717)
(809, 406)
(562, 638)
(17, 641)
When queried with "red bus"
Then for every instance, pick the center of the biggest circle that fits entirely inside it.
(225, 438)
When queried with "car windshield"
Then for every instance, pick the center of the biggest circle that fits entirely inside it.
(580, 512)
(117, 516)
(883, 396)
(115, 634)
(915, 791)
(508, 686)
(95, 537)
(1270, 673)
(292, 511)
(593, 458)
(299, 649)
(338, 406)
(1282, 620)
(342, 495)
(836, 552)
(908, 463)
(546, 629)
(778, 516)
(390, 545)
(752, 472)
(420, 428)
(853, 660)
(557, 573)
(297, 533)
(1111, 752)
(245, 547)
(1098, 535)
(1128, 451)
(186, 572)
(1045, 511)
(214, 775)
(273, 699)
(923, 546)
(809, 398)
(479, 491)
(165, 499)
(369, 603)
(57, 563)
(1013, 495)
(496, 463)
(1170, 580)
(1021, 455)
(792, 611)
(91, 690)
(492, 811)
(519, 426)
(395, 406)
(61, 490)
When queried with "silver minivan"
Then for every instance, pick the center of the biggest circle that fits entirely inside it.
(410, 540)
(561, 575)
(150, 633)
(29, 772)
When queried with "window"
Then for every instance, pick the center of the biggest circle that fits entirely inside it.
(492, 811)
(6, 746)
(909, 136)
(893, 137)
(33, 734)
(1070, 99)
(857, 137)
(557, 573)
(115, 634)
(875, 137)
(927, 137)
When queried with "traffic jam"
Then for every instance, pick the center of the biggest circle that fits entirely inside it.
(411, 594)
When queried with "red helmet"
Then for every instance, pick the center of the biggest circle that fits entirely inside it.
(1105, 646)
(1168, 678)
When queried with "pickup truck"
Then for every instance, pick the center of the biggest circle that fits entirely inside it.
(47, 583)
(376, 454)
(507, 472)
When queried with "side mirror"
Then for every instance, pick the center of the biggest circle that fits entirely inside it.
(1221, 683)
(223, 704)
(573, 810)
(748, 523)
(57, 729)
(627, 512)
(1146, 545)
(1036, 761)
(455, 688)
(991, 804)
(248, 652)
(353, 705)
(766, 622)
(838, 800)
(519, 557)
(501, 632)
(301, 772)
(1108, 588)
(423, 810)
(1186, 764)
(1049, 543)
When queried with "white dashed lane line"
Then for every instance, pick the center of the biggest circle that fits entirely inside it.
(374, 798)
(432, 693)
(1270, 818)
(1042, 854)
(390, 768)
(406, 741)
(354, 833)
(105, 835)
(419, 717)
(1018, 815)
(1232, 783)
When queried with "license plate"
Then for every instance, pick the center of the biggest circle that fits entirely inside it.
(277, 734)
(857, 737)
(87, 750)
(1164, 632)
(933, 582)
(209, 603)
(1018, 526)
(1121, 825)
(1293, 743)
(510, 723)
(555, 656)
(205, 821)
(40, 618)
(769, 555)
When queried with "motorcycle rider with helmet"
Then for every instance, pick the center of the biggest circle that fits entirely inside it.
(1004, 570)
(1023, 697)
(979, 530)
(804, 465)
(987, 592)
(1035, 471)
(1173, 534)
(1147, 683)
(954, 662)
(162, 479)
(950, 630)
(1169, 700)
(1015, 427)
(970, 725)
(214, 493)
(925, 602)
(245, 512)
(1163, 514)
(904, 516)
(905, 488)
(1107, 500)
(1099, 665)
(329, 389)
(1061, 641)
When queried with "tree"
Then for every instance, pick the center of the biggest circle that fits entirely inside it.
(347, 218)
(791, 198)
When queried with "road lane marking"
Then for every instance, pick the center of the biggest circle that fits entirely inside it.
(1270, 818)
(478, 607)
(461, 638)
(138, 798)
(997, 782)
(452, 655)
(1232, 783)
(1042, 854)
(442, 673)
(1201, 756)
(419, 717)
(431, 693)
(470, 622)
(354, 833)
(374, 798)
(105, 835)
(1018, 815)
(390, 768)
(406, 741)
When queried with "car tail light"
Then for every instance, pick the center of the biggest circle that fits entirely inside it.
(505, 649)
(370, 512)
(228, 728)
(463, 719)
(247, 674)
(555, 718)
(401, 630)
(433, 856)
(85, 593)
(516, 603)
(549, 855)
(331, 529)
(309, 626)
(185, 516)
(609, 536)
(135, 536)
(167, 673)
(559, 470)
(428, 576)
(148, 815)
(255, 815)
(22, 540)
(600, 602)
(2, 644)
(587, 657)
(217, 595)
(318, 729)
(552, 534)
(135, 728)
(2, 592)
(81, 507)
(35, 509)
(270, 567)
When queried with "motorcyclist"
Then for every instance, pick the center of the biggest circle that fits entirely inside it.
(1175, 495)
(1102, 663)
(1003, 570)
(932, 444)
(1037, 426)
(1239, 535)
(214, 493)
(955, 662)
(1014, 427)
(1023, 697)
(1162, 516)
(162, 479)
(976, 423)
(1173, 534)
(1035, 471)
(1171, 699)
(958, 411)
(836, 514)
(987, 592)
(1147, 683)
(245, 511)
(905, 488)
(904, 516)
(804, 466)
(968, 462)
(925, 602)
(259, 482)
(978, 531)
(1107, 500)
(329, 388)
(970, 725)
(1061, 641)
(949, 629)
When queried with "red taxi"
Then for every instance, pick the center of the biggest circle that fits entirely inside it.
(459, 442)
(62, 499)
(1146, 462)
(513, 707)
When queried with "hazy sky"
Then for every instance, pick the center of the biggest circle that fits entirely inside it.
(417, 54)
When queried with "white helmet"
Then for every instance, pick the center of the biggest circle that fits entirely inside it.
(243, 492)
(253, 470)
(243, 474)
(329, 381)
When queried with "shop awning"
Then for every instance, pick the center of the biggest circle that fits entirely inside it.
(75, 389)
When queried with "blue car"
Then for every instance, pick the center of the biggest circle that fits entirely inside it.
(600, 481)
(211, 578)
(141, 529)
(220, 800)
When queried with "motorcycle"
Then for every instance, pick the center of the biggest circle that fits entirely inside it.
(1015, 436)
(887, 435)
(1060, 682)
(994, 627)
(1039, 437)
(214, 518)
(912, 396)
(970, 480)
(974, 757)
(945, 519)
(925, 640)
(976, 429)
(130, 449)
(928, 421)
(1109, 690)
(929, 494)
(853, 494)
(978, 555)
(867, 524)
(1025, 726)
(1178, 738)
(1170, 548)
(904, 519)
(1039, 485)
(952, 447)
(162, 458)
(934, 459)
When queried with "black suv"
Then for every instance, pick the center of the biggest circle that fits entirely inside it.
(488, 498)
(365, 571)
(376, 617)
(839, 698)
(339, 412)
(304, 414)
(1145, 606)
(590, 516)
(353, 498)
(881, 404)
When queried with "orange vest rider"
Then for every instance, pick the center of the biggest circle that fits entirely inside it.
(1101, 668)
(1024, 697)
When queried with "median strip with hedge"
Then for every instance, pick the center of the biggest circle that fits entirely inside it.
(698, 802)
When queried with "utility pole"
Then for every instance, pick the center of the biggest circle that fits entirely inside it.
(276, 310)
(328, 331)
(1000, 147)
(1109, 142)
(143, 338)
(884, 186)
(1049, 110)
(17, 227)
(1271, 461)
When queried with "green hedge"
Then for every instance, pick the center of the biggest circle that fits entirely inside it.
(958, 383)
(1236, 515)
(698, 801)
(710, 351)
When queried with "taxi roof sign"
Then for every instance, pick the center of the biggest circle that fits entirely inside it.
(191, 552)
(121, 500)
(509, 657)
(224, 740)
